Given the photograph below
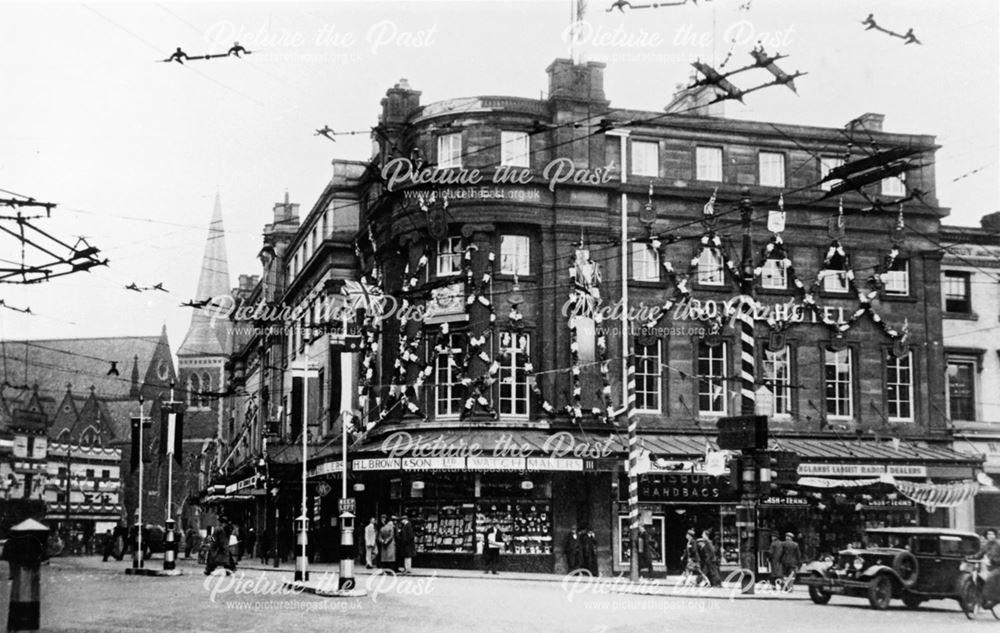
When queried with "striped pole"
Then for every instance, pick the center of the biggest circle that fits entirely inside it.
(633, 471)
(748, 377)
(301, 559)
(747, 368)
(169, 549)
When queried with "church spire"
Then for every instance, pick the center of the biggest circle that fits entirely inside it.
(202, 338)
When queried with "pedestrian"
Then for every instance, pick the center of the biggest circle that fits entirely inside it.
(371, 543)
(219, 554)
(265, 546)
(407, 544)
(645, 551)
(573, 550)
(494, 541)
(774, 555)
(692, 558)
(709, 559)
(234, 540)
(189, 537)
(589, 555)
(387, 545)
(791, 557)
(108, 547)
(990, 553)
(251, 542)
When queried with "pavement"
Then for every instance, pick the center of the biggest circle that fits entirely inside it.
(82, 594)
(323, 579)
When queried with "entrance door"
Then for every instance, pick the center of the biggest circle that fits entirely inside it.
(680, 518)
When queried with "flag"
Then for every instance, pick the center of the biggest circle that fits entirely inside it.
(134, 461)
(171, 430)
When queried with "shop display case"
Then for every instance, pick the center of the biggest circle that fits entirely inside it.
(443, 528)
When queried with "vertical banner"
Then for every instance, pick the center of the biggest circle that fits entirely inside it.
(347, 382)
(136, 448)
(172, 429)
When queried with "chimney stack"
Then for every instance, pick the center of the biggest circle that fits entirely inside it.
(696, 101)
(399, 103)
(581, 82)
(871, 121)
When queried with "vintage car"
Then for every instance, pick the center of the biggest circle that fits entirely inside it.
(913, 564)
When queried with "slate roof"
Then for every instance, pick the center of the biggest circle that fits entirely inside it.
(80, 363)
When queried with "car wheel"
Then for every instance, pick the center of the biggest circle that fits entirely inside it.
(819, 595)
(968, 598)
(880, 592)
(906, 567)
(911, 601)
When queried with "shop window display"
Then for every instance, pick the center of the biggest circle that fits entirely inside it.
(526, 526)
(443, 528)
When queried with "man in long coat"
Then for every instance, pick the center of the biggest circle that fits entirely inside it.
(572, 550)
(709, 559)
(407, 544)
(387, 545)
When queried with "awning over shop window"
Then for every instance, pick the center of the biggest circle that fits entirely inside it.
(939, 495)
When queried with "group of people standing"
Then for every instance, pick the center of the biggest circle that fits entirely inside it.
(785, 557)
(390, 543)
(580, 549)
(224, 548)
(701, 559)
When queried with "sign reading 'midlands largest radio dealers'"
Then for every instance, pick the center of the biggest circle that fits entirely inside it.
(401, 171)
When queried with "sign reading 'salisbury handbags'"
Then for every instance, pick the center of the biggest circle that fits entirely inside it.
(684, 488)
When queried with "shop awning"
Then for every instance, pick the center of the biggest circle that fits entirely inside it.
(484, 449)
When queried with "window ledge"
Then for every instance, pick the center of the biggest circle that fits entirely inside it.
(961, 316)
(907, 298)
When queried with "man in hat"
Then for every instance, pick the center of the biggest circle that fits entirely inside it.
(407, 543)
(387, 545)
(791, 557)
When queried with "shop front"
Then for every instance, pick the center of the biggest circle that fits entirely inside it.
(452, 509)
(669, 505)
(535, 491)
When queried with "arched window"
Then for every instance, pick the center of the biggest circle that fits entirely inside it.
(193, 387)
(206, 386)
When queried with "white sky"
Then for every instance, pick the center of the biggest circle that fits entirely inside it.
(134, 151)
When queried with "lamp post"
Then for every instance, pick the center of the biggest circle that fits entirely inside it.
(745, 316)
(302, 522)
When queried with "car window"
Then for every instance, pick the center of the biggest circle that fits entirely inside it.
(926, 544)
(951, 546)
(970, 546)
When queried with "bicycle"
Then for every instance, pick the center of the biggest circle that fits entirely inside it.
(971, 593)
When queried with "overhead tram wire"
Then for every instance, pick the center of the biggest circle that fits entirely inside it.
(159, 51)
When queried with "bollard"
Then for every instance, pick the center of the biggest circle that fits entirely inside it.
(346, 580)
(25, 550)
(169, 550)
(301, 555)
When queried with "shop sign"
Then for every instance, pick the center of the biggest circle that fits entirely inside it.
(888, 503)
(785, 500)
(378, 463)
(861, 470)
(684, 488)
(433, 463)
(326, 468)
(554, 463)
(906, 470)
(606, 464)
(249, 482)
(495, 463)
